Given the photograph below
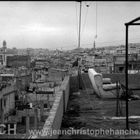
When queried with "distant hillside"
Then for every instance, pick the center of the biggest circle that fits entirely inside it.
(107, 47)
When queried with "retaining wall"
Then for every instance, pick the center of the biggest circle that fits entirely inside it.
(54, 119)
(65, 87)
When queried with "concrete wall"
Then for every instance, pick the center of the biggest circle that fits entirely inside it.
(56, 74)
(65, 87)
(73, 84)
(54, 119)
(84, 82)
(133, 79)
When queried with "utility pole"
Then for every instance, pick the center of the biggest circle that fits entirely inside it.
(27, 116)
(117, 102)
(36, 113)
(79, 39)
(35, 109)
(27, 110)
(79, 24)
(126, 78)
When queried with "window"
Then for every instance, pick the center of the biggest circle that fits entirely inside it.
(45, 105)
(121, 69)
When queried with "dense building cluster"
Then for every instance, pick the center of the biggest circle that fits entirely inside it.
(45, 69)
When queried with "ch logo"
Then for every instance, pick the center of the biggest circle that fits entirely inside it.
(7, 129)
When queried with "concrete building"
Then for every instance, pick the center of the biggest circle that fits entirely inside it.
(40, 63)
(132, 49)
(101, 65)
(56, 74)
(16, 61)
(7, 98)
(5, 52)
(133, 63)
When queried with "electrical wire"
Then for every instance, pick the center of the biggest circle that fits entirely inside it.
(96, 26)
(96, 20)
(85, 19)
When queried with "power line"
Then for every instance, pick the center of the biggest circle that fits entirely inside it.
(85, 18)
(96, 20)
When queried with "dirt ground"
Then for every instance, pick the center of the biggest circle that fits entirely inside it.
(87, 111)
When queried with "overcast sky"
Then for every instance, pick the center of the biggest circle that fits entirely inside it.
(54, 25)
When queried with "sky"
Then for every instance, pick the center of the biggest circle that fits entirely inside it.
(54, 24)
